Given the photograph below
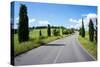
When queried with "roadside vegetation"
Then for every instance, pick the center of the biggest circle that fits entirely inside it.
(91, 47)
(26, 38)
(88, 39)
(37, 37)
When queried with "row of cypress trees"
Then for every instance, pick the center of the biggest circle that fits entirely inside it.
(23, 31)
(92, 30)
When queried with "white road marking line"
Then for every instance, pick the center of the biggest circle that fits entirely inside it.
(58, 55)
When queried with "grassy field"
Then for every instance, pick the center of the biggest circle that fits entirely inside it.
(91, 47)
(34, 41)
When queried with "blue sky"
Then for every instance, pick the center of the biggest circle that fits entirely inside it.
(69, 16)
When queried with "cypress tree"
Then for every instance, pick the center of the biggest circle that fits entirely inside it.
(91, 30)
(49, 30)
(83, 30)
(23, 32)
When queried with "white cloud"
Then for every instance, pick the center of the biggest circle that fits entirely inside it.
(43, 23)
(71, 26)
(73, 20)
(75, 23)
(90, 15)
(32, 20)
(17, 18)
(78, 23)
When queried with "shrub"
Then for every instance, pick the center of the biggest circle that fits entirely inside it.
(56, 32)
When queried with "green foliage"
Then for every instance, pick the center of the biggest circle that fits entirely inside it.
(23, 32)
(91, 30)
(56, 32)
(49, 30)
(34, 41)
(65, 32)
(88, 45)
(68, 31)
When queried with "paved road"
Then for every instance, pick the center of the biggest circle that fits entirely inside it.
(63, 50)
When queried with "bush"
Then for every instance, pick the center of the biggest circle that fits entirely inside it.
(65, 32)
(56, 32)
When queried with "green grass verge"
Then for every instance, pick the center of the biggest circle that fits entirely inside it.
(91, 47)
(34, 41)
(20, 48)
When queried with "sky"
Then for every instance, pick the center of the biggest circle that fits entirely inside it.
(69, 16)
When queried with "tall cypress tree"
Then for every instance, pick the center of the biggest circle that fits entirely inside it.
(83, 30)
(23, 32)
(91, 30)
(49, 30)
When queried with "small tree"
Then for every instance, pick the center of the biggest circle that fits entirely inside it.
(49, 30)
(65, 32)
(23, 32)
(91, 30)
(82, 30)
(56, 32)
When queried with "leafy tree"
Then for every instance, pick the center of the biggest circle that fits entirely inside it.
(91, 30)
(82, 30)
(49, 30)
(23, 32)
(56, 32)
(65, 32)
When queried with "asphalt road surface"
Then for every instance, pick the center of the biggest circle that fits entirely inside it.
(63, 50)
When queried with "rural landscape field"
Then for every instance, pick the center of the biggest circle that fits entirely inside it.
(46, 33)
